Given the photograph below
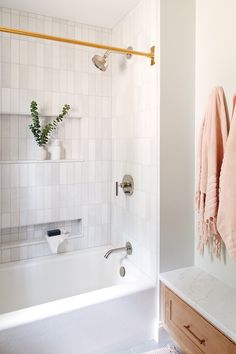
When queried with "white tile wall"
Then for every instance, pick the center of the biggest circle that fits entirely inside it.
(134, 134)
(53, 74)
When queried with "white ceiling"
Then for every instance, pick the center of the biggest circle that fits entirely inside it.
(103, 13)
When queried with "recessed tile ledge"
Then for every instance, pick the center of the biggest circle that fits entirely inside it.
(48, 115)
(209, 296)
(21, 162)
(22, 243)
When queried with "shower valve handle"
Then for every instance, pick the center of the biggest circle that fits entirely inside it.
(122, 185)
(117, 189)
(127, 185)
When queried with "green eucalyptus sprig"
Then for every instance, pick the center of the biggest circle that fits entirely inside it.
(42, 134)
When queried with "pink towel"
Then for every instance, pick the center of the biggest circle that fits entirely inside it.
(226, 219)
(213, 136)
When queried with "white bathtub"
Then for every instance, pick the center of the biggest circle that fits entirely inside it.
(74, 304)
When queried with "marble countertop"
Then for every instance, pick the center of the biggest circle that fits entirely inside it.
(209, 296)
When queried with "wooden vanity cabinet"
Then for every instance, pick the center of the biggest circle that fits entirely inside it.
(192, 332)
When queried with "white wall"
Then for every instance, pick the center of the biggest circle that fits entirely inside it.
(134, 134)
(177, 64)
(34, 195)
(215, 66)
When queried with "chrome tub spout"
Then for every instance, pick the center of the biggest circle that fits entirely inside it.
(127, 248)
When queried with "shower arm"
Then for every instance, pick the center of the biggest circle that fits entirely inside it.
(150, 54)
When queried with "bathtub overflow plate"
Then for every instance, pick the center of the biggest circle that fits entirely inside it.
(122, 271)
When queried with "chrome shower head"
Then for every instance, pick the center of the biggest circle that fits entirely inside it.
(101, 61)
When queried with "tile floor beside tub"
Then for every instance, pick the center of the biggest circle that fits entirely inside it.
(164, 341)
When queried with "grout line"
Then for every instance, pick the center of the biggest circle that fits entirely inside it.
(23, 243)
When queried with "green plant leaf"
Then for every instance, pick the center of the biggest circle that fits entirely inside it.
(42, 135)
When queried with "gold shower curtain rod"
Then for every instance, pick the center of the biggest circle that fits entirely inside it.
(150, 54)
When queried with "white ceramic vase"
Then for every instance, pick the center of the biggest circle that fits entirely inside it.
(42, 153)
(55, 149)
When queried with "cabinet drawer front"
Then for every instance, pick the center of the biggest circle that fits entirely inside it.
(205, 336)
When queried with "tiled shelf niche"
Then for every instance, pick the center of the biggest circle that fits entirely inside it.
(17, 142)
(27, 242)
(21, 162)
(41, 115)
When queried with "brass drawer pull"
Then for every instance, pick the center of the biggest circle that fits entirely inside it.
(201, 341)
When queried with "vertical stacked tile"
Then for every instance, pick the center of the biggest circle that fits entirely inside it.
(33, 194)
(134, 136)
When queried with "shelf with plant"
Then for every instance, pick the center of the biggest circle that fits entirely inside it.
(43, 115)
(42, 133)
